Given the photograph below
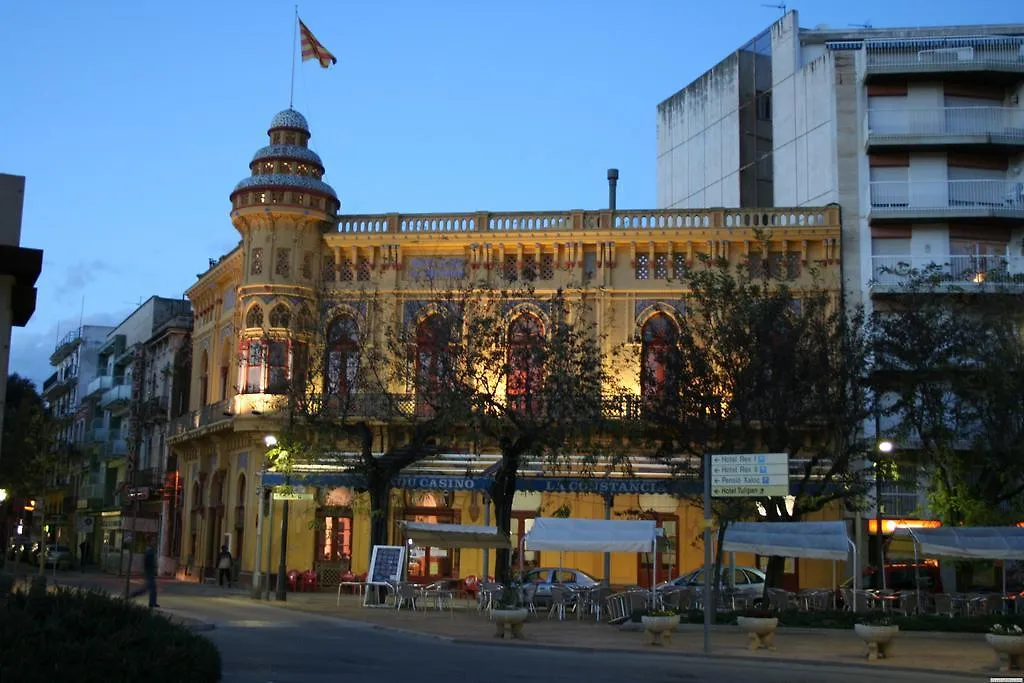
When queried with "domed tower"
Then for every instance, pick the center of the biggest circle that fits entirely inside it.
(281, 211)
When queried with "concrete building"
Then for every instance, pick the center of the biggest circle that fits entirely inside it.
(298, 254)
(916, 133)
(138, 386)
(19, 270)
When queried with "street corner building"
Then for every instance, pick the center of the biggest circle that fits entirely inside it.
(296, 249)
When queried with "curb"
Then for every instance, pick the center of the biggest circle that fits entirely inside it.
(808, 631)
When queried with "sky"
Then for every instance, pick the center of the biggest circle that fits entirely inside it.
(133, 121)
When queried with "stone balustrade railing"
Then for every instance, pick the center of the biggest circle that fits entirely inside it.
(541, 221)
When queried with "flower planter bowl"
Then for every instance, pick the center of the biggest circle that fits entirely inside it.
(512, 619)
(878, 639)
(761, 631)
(659, 628)
(1009, 646)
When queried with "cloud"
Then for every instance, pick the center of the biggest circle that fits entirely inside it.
(30, 351)
(81, 274)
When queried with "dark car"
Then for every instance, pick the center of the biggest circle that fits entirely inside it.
(747, 580)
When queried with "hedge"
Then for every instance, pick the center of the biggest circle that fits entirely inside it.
(88, 637)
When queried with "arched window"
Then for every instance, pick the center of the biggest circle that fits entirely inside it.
(432, 341)
(342, 360)
(659, 358)
(204, 377)
(280, 316)
(525, 364)
(254, 318)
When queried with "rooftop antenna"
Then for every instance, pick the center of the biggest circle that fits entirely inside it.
(81, 315)
(781, 6)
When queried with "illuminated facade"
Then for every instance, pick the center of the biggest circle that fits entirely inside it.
(295, 246)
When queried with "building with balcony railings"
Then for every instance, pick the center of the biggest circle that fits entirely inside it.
(296, 249)
(140, 384)
(917, 133)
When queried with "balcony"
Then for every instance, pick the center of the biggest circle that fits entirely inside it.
(962, 273)
(938, 127)
(65, 346)
(97, 435)
(947, 199)
(997, 55)
(98, 385)
(117, 397)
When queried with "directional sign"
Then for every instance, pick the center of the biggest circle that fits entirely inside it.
(744, 475)
(293, 495)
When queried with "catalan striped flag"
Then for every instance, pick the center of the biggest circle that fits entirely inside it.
(314, 49)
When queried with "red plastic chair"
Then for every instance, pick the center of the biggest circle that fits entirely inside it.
(293, 580)
(309, 580)
(472, 584)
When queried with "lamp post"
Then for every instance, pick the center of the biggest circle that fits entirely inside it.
(884, 448)
(281, 587)
(261, 495)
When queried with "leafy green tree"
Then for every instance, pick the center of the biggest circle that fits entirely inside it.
(27, 446)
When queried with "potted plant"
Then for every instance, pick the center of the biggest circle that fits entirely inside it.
(877, 631)
(760, 625)
(508, 611)
(1008, 641)
(658, 624)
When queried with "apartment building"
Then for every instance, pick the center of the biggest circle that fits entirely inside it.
(139, 385)
(916, 133)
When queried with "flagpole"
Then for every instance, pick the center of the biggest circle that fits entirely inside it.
(295, 32)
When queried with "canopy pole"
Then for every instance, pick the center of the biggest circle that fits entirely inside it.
(1003, 601)
(487, 522)
(917, 571)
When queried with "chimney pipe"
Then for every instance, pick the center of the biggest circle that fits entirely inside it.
(613, 180)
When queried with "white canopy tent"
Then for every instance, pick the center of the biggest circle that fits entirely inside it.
(815, 540)
(968, 542)
(596, 535)
(425, 534)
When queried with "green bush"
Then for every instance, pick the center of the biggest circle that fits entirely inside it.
(88, 637)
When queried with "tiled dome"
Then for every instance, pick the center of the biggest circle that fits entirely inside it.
(280, 181)
(289, 118)
(292, 152)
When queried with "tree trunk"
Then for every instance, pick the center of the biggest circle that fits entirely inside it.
(502, 492)
(379, 487)
(773, 574)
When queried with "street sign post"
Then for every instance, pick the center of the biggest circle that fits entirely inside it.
(752, 475)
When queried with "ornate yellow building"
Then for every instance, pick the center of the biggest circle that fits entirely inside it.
(295, 245)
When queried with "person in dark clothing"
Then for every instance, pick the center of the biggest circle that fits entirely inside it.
(149, 571)
(224, 566)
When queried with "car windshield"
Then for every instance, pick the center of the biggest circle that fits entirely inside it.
(584, 579)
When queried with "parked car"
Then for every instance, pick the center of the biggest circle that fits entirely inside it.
(748, 580)
(56, 555)
(546, 577)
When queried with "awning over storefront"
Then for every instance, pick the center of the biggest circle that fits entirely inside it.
(592, 535)
(817, 540)
(980, 542)
(425, 535)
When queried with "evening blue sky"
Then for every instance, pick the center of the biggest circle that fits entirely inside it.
(134, 120)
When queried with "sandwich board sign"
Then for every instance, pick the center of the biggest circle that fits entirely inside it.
(386, 567)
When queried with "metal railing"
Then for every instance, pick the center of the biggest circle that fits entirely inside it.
(957, 197)
(1006, 122)
(101, 383)
(116, 394)
(941, 55)
(889, 271)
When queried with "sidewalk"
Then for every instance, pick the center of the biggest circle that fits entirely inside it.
(926, 652)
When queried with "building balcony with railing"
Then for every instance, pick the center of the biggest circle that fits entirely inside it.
(118, 396)
(936, 127)
(984, 272)
(999, 56)
(98, 385)
(65, 346)
(945, 199)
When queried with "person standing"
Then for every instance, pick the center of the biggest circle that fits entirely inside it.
(224, 566)
(149, 571)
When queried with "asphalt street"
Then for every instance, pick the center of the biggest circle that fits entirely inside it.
(265, 644)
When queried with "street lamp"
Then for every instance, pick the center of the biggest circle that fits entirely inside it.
(270, 440)
(884, 447)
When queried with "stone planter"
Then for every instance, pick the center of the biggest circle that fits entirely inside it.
(878, 639)
(761, 631)
(659, 629)
(1009, 647)
(512, 619)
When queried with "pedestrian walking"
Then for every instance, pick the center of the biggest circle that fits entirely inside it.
(149, 571)
(224, 566)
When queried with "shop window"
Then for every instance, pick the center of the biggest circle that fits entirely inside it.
(430, 564)
(334, 536)
(524, 384)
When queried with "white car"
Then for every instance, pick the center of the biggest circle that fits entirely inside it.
(748, 580)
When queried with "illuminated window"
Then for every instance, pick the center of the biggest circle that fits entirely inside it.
(526, 366)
